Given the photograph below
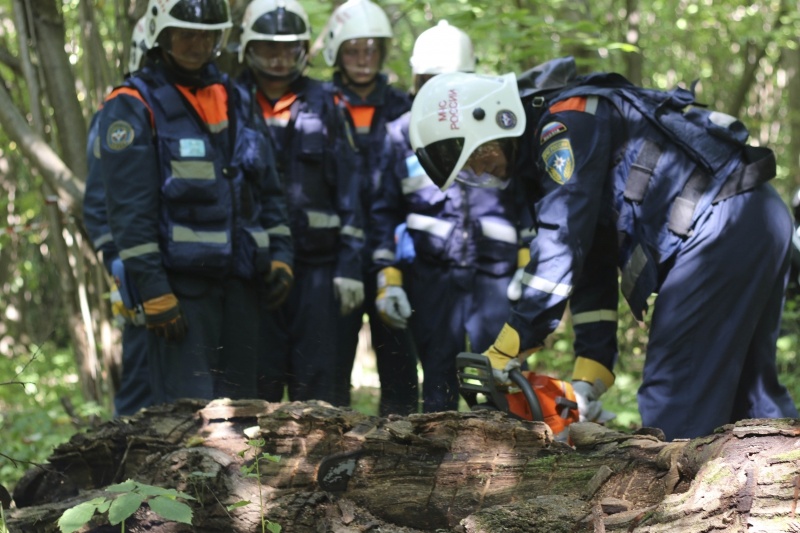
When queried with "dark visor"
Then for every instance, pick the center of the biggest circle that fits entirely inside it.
(439, 159)
(201, 11)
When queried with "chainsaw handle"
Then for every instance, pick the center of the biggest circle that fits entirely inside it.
(524, 385)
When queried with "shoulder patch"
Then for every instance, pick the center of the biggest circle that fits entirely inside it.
(551, 130)
(119, 135)
(559, 161)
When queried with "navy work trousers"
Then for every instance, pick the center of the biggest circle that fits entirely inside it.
(711, 352)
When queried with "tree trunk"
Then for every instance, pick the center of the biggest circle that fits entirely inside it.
(340, 470)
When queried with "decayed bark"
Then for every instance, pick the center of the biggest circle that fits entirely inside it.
(340, 470)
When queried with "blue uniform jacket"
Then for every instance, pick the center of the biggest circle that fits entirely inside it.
(596, 210)
(366, 132)
(461, 227)
(325, 218)
(190, 188)
(95, 216)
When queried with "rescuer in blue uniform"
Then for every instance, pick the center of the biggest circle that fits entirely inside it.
(133, 392)
(298, 115)
(194, 205)
(614, 185)
(466, 242)
(356, 43)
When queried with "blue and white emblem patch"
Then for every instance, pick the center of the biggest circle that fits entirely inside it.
(559, 161)
(119, 135)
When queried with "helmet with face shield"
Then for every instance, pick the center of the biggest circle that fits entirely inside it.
(200, 15)
(454, 115)
(138, 45)
(283, 27)
(355, 19)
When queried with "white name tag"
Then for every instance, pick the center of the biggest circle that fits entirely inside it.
(193, 148)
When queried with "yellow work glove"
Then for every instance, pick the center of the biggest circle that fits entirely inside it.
(505, 354)
(590, 380)
(279, 280)
(163, 316)
(514, 290)
(391, 300)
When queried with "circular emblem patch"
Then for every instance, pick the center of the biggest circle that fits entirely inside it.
(119, 135)
(506, 119)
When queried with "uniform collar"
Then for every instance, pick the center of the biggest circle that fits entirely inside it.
(375, 98)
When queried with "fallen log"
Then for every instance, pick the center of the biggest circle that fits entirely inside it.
(340, 470)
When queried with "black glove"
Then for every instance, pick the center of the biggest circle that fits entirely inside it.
(163, 316)
(279, 282)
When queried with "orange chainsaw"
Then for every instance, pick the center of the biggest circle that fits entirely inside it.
(537, 397)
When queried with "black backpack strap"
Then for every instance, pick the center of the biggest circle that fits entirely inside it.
(682, 212)
(758, 167)
(642, 170)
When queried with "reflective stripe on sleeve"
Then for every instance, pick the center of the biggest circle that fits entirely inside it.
(136, 251)
(434, 226)
(352, 231)
(541, 284)
(320, 219)
(198, 170)
(382, 254)
(591, 317)
(102, 239)
(184, 234)
(282, 231)
(498, 231)
(261, 237)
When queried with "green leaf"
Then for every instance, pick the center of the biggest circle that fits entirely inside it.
(103, 507)
(272, 527)
(123, 507)
(76, 517)
(127, 486)
(240, 503)
(171, 509)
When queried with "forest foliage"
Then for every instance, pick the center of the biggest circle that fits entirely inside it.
(59, 351)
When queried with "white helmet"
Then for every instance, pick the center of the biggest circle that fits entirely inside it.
(138, 46)
(455, 113)
(443, 48)
(273, 20)
(355, 19)
(207, 15)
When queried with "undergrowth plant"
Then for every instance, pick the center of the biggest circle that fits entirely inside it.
(252, 471)
(132, 494)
